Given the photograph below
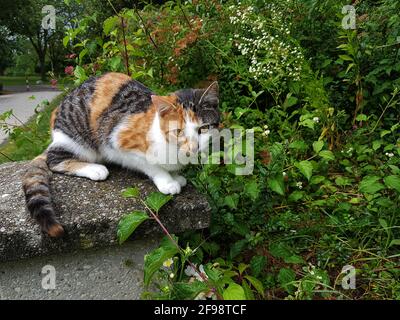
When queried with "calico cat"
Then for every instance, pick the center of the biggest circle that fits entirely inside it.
(115, 119)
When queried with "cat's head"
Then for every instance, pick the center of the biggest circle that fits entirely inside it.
(188, 117)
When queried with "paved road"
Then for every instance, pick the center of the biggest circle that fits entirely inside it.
(23, 105)
(32, 88)
(108, 273)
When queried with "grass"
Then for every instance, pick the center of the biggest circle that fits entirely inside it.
(31, 139)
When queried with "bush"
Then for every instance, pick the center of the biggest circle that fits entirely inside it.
(322, 102)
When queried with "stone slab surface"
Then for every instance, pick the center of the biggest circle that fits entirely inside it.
(89, 210)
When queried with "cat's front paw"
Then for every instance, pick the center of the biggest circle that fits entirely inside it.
(181, 180)
(170, 187)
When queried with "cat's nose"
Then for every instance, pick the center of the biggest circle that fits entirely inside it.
(193, 147)
(190, 147)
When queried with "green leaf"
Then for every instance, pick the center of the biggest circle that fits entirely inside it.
(383, 223)
(318, 145)
(295, 259)
(361, 117)
(234, 292)
(82, 54)
(130, 192)
(392, 182)
(285, 277)
(184, 290)
(257, 284)
(305, 168)
(296, 196)
(370, 184)
(109, 24)
(376, 144)
(385, 132)
(237, 247)
(242, 267)
(395, 242)
(326, 154)
(279, 250)
(129, 223)
(345, 57)
(115, 62)
(276, 184)
(290, 101)
(156, 200)
(80, 74)
(343, 181)
(257, 264)
(247, 290)
(252, 189)
(154, 260)
(65, 41)
(231, 201)
(298, 145)
(317, 179)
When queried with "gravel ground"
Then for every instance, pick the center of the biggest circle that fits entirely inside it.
(108, 273)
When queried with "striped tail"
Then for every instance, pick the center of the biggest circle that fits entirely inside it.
(38, 198)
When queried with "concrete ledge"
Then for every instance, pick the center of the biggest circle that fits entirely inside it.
(89, 210)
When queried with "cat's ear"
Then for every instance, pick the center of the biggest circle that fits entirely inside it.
(210, 96)
(163, 104)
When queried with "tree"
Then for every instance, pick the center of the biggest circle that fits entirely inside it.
(24, 17)
(7, 45)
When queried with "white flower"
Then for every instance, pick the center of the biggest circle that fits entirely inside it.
(171, 275)
(316, 119)
(204, 295)
(190, 271)
(389, 154)
(200, 296)
(299, 185)
(168, 263)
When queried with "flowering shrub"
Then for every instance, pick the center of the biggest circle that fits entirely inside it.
(325, 188)
(323, 104)
(266, 42)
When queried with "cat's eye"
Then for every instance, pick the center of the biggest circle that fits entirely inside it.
(178, 132)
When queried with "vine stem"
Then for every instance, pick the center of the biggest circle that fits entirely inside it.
(125, 55)
(290, 167)
(186, 18)
(166, 232)
(6, 156)
(125, 46)
(145, 29)
(384, 111)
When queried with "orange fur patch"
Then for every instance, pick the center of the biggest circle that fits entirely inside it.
(56, 231)
(106, 88)
(134, 136)
(69, 166)
(53, 117)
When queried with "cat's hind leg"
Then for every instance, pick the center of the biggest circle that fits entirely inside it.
(63, 161)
